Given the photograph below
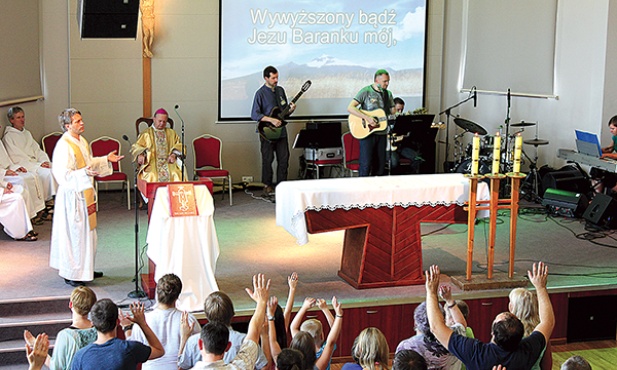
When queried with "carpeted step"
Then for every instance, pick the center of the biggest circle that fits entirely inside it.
(13, 352)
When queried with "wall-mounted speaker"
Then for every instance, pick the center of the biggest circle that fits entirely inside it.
(108, 19)
(602, 212)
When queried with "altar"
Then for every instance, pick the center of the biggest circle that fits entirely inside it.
(381, 217)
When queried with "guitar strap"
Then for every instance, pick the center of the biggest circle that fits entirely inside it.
(280, 98)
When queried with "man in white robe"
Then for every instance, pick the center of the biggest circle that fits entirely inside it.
(14, 215)
(26, 152)
(73, 234)
(18, 175)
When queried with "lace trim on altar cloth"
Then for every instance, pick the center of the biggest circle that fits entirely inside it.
(347, 207)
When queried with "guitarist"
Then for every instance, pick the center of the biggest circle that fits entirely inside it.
(267, 98)
(373, 147)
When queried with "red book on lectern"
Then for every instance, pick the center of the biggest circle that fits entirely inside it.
(182, 200)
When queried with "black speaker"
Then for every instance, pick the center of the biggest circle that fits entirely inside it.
(591, 318)
(568, 178)
(564, 203)
(108, 19)
(602, 212)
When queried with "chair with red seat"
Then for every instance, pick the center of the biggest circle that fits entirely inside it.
(351, 153)
(207, 150)
(101, 147)
(49, 143)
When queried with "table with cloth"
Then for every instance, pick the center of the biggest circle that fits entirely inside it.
(381, 217)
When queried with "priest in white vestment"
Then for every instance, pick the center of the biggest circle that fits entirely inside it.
(25, 151)
(18, 175)
(14, 215)
(73, 234)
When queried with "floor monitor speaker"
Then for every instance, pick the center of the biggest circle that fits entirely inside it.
(602, 212)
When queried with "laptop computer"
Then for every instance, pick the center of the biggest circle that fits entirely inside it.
(588, 144)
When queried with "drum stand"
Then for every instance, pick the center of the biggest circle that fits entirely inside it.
(530, 185)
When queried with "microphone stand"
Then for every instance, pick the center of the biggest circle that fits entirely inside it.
(447, 112)
(137, 293)
(181, 138)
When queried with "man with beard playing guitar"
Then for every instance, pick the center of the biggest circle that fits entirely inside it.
(267, 98)
(370, 98)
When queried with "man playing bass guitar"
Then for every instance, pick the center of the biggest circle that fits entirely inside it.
(270, 98)
(370, 98)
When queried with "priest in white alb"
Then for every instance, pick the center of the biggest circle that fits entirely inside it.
(14, 215)
(26, 152)
(73, 233)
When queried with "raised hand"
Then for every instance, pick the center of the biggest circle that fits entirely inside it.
(292, 280)
(432, 279)
(538, 275)
(309, 302)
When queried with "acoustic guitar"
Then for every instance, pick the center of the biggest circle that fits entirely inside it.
(360, 128)
(272, 133)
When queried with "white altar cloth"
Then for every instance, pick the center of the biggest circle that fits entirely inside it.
(293, 198)
(186, 246)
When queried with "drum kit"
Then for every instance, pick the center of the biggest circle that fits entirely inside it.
(463, 157)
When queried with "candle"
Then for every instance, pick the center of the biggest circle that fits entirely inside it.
(496, 153)
(475, 155)
(518, 145)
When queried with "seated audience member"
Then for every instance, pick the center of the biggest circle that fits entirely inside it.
(576, 363)
(217, 307)
(524, 305)
(289, 359)
(214, 339)
(112, 353)
(14, 215)
(37, 352)
(164, 321)
(370, 351)
(464, 308)
(507, 348)
(306, 343)
(78, 335)
(408, 359)
(313, 326)
(425, 343)
(26, 152)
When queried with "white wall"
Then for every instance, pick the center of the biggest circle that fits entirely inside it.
(105, 79)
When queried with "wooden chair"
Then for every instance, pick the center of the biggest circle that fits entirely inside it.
(148, 122)
(351, 153)
(49, 141)
(101, 147)
(207, 150)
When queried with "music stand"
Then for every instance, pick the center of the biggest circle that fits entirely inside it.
(417, 124)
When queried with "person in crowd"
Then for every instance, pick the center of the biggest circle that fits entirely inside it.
(408, 359)
(26, 152)
(524, 305)
(576, 363)
(110, 352)
(290, 359)
(218, 307)
(279, 318)
(368, 99)
(507, 348)
(464, 308)
(270, 98)
(404, 146)
(158, 150)
(14, 215)
(214, 339)
(370, 351)
(425, 343)
(73, 233)
(165, 322)
(37, 352)
(28, 181)
(313, 326)
(78, 335)
(606, 179)
(305, 343)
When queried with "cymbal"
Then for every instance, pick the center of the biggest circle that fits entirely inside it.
(469, 126)
(536, 142)
(523, 124)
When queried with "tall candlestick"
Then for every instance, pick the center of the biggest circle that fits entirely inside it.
(496, 154)
(518, 147)
(475, 155)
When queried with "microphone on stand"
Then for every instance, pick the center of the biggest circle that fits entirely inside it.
(475, 97)
(126, 138)
(182, 138)
(508, 98)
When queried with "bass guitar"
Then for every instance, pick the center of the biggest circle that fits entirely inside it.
(270, 132)
(360, 128)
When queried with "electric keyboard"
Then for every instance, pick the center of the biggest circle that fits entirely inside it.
(571, 155)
